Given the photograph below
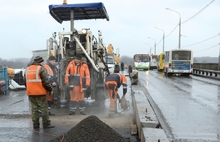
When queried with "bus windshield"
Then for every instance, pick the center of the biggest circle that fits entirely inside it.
(141, 58)
(154, 58)
(181, 55)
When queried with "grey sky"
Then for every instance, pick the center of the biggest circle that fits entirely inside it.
(26, 25)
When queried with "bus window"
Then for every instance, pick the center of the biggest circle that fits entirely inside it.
(181, 55)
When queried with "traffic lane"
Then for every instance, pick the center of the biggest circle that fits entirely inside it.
(185, 109)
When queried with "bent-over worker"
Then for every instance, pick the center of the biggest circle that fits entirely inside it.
(112, 83)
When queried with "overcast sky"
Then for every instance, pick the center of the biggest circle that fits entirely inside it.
(26, 25)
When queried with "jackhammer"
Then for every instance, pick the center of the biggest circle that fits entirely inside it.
(123, 104)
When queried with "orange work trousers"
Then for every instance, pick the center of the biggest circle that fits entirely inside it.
(76, 94)
(111, 86)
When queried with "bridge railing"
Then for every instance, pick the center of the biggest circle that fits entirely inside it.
(206, 69)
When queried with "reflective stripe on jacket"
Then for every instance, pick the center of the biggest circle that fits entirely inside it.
(77, 73)
(34, 84)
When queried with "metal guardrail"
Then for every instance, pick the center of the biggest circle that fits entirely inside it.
(206, 69)
(208, 66)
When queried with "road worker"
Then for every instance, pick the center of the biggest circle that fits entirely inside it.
(112, 83)
(52, 73)
(37, 86)
(122, 66)
(75, 72)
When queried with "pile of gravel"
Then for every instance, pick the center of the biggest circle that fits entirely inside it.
(90, 129)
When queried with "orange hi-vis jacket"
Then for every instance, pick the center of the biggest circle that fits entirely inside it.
(33, 81)
(50, 73)
(78, 73)
(118, 78)
(49, 70)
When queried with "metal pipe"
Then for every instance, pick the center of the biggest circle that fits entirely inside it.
(87, 55)
(72, 22)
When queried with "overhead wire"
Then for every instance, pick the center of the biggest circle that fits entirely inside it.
(207, 48)
(198, 12)
(187, 21)
(202, 41)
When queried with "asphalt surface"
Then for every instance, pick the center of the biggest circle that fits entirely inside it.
(188, 107)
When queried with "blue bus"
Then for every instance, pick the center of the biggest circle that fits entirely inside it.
(178, 61)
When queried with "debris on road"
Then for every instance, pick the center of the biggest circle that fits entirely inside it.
(90, 129)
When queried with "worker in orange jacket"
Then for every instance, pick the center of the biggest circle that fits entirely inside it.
(112, 83)
(37, 86)
(52, 72)
(76, 72)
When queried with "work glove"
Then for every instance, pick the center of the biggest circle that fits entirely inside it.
(71, 87)
(59, 87)
(54, 84)
(86, 87)
(119, 100)
(124, 91)
(66, 82)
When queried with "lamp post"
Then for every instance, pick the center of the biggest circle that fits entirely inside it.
(154, 44)
(150, 47)
(163, 37)
(179, 25)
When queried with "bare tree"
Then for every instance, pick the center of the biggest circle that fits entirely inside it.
(17, 63)
(127, 60)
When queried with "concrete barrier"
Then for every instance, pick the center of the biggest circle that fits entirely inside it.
(134, 77)
(146, 119)
(153, 135)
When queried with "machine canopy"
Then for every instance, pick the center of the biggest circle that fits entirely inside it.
(82, 11)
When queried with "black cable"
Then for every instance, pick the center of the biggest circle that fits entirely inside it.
(198, 12)
(190, 18)
(202, 41)
(206, 49)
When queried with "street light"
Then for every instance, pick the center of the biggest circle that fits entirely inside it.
(179, 24)
(150, 47)
(147, 50)
(163, 37)
(154, 44)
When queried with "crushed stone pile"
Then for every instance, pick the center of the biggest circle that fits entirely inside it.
(91, 129)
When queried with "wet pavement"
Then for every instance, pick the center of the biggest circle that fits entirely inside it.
(188, 107)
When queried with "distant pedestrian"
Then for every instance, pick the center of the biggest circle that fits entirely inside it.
(37, 86)
(122, 66)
